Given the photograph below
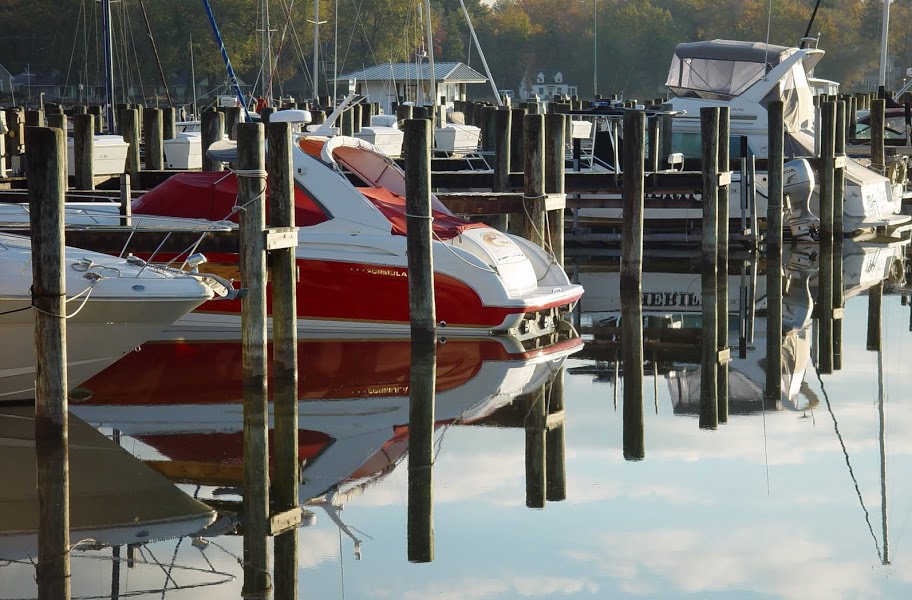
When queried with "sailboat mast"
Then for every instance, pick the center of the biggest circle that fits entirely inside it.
(193, 78)
(316, 57)
(430, 42)
(883, 43)
(108, 65)
(480, 53)
(267, 55)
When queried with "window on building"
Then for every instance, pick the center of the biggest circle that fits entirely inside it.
(558, 77)
(540, 78)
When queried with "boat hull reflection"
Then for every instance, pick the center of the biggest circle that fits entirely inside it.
(184, 398)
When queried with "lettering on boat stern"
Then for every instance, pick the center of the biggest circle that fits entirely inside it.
(658, 299)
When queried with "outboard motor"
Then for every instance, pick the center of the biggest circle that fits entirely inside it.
(798, 185)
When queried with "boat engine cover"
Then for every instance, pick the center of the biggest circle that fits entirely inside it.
(497, 250)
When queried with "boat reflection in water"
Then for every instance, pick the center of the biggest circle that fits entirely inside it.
(114, 501)
(672, 305)
(183, 400)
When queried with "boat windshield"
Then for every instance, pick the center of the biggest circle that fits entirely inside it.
(720, 69)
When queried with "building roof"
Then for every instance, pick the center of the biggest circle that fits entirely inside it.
(451, 72)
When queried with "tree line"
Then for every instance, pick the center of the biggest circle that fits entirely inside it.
(630, 41)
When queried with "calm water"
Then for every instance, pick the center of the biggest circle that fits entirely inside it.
(783, 501)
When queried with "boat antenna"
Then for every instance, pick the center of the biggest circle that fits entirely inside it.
(161, 71)
(769, 24)
(807, 32)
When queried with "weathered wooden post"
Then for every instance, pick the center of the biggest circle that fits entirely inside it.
(126, 201)
(282, 271)
(83, 151)
(422, 310)
(403, 112)
(501, 146)
(722, 277)
(535, 447)
(34, 118)
(534, 180)
(213, 127)
(517, 137)
(266, 114)
(709, 400)
(877, 117)
(367, 112)
(57, 120)
(47, 180)
(346, 122)
(839, 232)
(169, 123)
(873, 333)
(152, 139)
(633, 194)
(634, 164)
(488, 115)
(97, 111)
(129, 126)
(825, 287)
(555, 442)
(554, 180)
(232, 119)
(653, 137)
(3, 136)
(356, 111)
(666, 127)
(776, 143)
(252, 218)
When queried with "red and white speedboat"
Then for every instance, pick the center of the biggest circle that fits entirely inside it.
(351, 251)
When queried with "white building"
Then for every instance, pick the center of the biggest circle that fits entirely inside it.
(409, 82)
(545, 84)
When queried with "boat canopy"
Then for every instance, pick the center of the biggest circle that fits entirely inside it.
(721, 69)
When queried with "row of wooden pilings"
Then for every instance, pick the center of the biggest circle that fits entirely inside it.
(262, 516)
(715, 349)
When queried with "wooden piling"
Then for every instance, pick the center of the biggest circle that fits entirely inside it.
(83, 151)
(213, 126)
(666, 127)
(776, 139)
(709, 400)
(34, 118)
(169, 123)
(534, 179)
(403, 112)
(346, 122)
(356, 111)
(266, 114)
(555, 167)
(634, 437)
(232, 119)
(418, 141)
(555, 442)
(827, 168)
(502, 131)
(488, 116)
(874, 336)
(517, 137)
(252, 218)
(535, 447)
(126, 201)
(58, 121)
(152, 139)
(282, 270)
(633, 195)
(839, 232)
(129, 127)
(97, 111)
(653, 154)
(722, 277)
(3, 136)
(877, 121)
(825, 287)
(47, 181)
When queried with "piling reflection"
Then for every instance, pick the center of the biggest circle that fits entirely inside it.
(782, 310)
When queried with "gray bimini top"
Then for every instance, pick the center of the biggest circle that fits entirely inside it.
(721, 69)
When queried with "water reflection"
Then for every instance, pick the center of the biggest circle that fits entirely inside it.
(799, 495)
